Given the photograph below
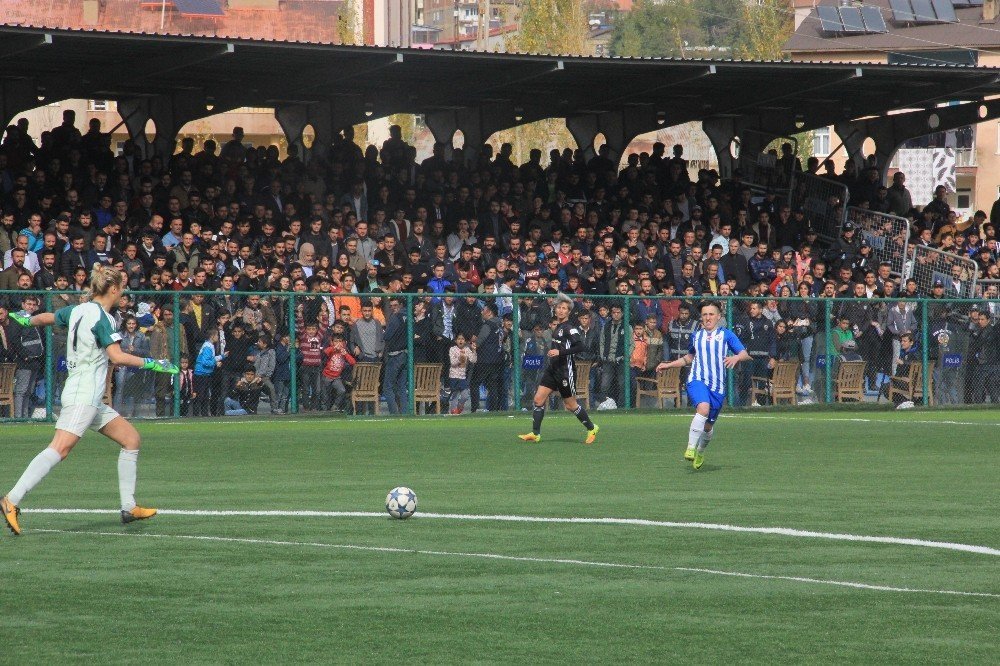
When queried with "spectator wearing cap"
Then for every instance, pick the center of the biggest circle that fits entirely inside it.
(846, 248)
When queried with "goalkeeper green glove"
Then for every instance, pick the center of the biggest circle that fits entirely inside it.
(21, 319)
(161, 365)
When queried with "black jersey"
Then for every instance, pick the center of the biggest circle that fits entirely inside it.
(568, 340)
(558, 373)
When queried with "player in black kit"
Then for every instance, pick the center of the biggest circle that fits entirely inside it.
(557, 375)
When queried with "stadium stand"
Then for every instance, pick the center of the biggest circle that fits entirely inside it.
(334, 279)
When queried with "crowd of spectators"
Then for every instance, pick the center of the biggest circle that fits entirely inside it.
(334, 244)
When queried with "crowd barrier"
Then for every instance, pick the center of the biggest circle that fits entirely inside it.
(404, 358)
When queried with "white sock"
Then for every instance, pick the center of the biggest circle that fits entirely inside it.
(41, 465)
(697, 430)
(706, 437)
(127, 461)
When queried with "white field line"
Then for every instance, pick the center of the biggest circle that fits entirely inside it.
(855, 419)
(640, 522)
(514, 558)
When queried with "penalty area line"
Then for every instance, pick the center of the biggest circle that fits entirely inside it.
(516, 558)
(638, 522)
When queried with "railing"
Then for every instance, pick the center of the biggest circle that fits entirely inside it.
(403, 357)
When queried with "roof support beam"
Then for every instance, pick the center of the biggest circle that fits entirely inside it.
(12, 45)
(785, 91)
(890, 132)
(194, 55)
(618, 128)
(645, 92)
(326, 78)
(876, 105)
(17, 96)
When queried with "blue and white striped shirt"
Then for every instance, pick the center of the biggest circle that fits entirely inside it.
(710, 349)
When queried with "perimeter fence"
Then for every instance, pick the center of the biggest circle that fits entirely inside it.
(275, 353)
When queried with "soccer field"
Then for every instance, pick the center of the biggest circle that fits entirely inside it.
(527, 553)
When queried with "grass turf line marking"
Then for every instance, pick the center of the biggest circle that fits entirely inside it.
(515, 558)
(640, 522)
(856, 419)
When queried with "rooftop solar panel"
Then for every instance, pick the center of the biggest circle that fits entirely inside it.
(923, 11)
(874, 21)
(945, 10)
(829, 19)
(199, 7)
(851, 18)
(901, 11)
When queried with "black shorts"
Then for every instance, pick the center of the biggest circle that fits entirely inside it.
(558, 379)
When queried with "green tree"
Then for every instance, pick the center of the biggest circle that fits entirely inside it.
(659, 29)
(551, 26)
(545, 26)
(761, 30)
(347, 20)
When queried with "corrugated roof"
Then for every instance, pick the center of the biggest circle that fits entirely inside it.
(356, 79)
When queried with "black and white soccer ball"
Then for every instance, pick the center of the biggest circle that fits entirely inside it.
(401, 502)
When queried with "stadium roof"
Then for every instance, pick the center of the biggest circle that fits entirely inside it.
(118, 65)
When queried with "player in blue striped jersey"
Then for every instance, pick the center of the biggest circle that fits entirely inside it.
(709, 358)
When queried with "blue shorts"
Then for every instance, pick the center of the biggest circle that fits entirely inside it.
(698, 393)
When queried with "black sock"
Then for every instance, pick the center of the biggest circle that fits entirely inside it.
(537, 414)
(581, 414)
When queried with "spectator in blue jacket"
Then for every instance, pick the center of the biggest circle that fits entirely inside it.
(204, 367)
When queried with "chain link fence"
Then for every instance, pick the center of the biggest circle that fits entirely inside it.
(824, 201)
(887, 235)
(761, 165)
(956, 274)
(245, 354)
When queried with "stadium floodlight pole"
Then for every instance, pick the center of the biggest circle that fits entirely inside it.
(411, 361)
(627, 361)
(293, 389)
(828, 357)
(923, 351)
(516, 355)
(49, 369)
(175, 352)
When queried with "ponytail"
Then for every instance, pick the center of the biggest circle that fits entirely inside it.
(103, 277)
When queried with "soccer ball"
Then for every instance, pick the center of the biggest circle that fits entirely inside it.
(401, 502)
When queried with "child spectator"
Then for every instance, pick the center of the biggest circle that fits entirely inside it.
(263, 364)
(640, 352)
(186, 378)
(460, 357)
(338, 358)
(282, 376)
(204, 367)
(245, 395)
(311, 365)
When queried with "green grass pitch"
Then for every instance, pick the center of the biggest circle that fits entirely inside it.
(82, 587)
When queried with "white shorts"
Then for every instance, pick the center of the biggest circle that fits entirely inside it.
(77, 418)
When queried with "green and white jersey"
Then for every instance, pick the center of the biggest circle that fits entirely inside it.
(91, 331)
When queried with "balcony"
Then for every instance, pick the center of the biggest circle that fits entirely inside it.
(965, 157)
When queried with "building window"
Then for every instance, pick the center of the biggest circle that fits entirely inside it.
(97, 105)
(963, 198)
(821, 142)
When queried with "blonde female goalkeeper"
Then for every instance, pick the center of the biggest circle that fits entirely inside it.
(92, 342)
